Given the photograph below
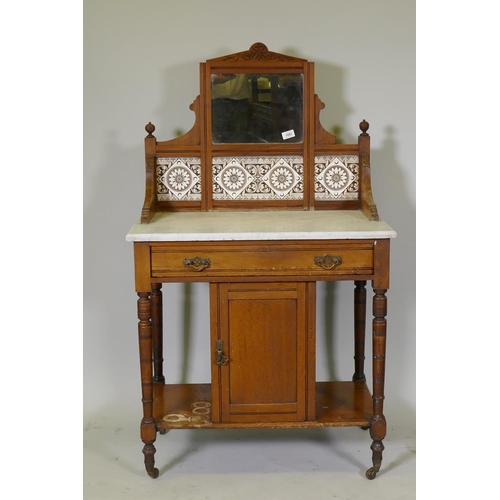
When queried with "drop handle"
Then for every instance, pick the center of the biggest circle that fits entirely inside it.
(328, 261)
(197, 263)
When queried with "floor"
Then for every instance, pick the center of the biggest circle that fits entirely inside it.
(245, 464)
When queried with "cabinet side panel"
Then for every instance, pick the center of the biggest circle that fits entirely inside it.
(142, 267)
(214, 336)
(311, 350)
(381, 264)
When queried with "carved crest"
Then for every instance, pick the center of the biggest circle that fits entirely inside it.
(257, 52)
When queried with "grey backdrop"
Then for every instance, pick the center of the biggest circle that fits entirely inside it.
(141, 63)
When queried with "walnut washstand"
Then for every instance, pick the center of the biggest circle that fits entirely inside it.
(261, 209)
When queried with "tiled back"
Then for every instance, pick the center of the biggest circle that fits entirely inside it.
(336, 177)
(178, 179)
(263, 178)
(258, 178)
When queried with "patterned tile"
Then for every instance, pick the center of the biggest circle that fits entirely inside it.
(178, 179)
(258, 178)
(262, 178)
(336, 177)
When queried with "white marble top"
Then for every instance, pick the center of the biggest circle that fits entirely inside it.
(275, 225)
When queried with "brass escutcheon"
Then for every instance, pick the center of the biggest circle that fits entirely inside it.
(220, 357)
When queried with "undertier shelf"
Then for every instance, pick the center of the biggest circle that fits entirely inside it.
(188, 406)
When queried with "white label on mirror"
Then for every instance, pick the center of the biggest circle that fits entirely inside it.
(288, 134)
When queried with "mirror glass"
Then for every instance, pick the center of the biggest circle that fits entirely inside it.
(261, 108)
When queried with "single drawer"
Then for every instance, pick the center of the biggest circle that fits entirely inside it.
(288, 258)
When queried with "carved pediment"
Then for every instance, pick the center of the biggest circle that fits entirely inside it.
(257, 52)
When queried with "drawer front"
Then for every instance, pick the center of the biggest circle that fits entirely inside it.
(319, 259)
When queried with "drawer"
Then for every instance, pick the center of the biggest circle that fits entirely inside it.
(290, 258)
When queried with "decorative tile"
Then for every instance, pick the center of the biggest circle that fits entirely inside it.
(263, 178)
(336, 177)
(178, 179)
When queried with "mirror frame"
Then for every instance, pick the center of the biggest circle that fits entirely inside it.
(258, 60)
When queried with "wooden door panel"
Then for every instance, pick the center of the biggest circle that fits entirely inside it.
(262, 347)
(263, 327)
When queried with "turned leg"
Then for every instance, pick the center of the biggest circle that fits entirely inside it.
(377, 421)
(359, 330)
(148, 425)
(157, 324)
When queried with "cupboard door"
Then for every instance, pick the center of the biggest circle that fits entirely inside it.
(263, 332)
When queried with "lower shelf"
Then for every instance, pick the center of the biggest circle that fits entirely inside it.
(188, 406)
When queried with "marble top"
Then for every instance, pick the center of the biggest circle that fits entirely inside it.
(253, 225)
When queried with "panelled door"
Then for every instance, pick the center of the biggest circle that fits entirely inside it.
(263, 334)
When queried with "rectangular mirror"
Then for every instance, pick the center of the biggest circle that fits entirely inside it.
(258, 108)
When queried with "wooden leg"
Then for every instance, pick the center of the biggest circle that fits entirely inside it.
(157, 324)
(359, 330)
(148, 425)
(378, 425)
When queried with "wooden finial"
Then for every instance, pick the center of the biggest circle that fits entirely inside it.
(364, 126)
(150, 128)
(258, 47)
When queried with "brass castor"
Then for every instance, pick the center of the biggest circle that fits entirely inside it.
(153, 473)
(371, 473)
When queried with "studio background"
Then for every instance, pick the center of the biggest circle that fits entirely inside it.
(141, 64)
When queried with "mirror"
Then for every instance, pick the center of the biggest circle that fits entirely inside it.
(259, 108)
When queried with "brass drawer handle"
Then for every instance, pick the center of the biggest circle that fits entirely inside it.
(328, 261)
(197, 263)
